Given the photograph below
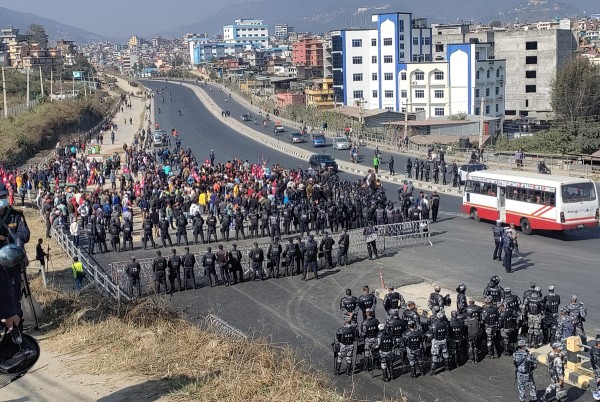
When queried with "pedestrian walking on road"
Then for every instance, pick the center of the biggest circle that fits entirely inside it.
(376, 163)
(391, 165)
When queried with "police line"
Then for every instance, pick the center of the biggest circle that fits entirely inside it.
(390, 238)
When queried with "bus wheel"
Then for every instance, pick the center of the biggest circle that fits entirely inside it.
(475, 215)
(526, 227)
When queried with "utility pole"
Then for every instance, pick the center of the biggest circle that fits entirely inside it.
(406, 117)
(41, 81)
(481, 125)
(51, 82)
(4, 93)
(27, 87)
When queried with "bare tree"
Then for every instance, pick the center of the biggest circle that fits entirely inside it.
(575, 91)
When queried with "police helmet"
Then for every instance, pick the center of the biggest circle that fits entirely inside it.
(521, 342)
(461, 288)
(470, 313)
(573, 298)
(347, 317)
(395, 313)
(551, 288)
(440, 315)
(390, 287)
(495, 279)
(381, 327)
(597, 338)
(538, 289)
(158, 252)
(132, 258)
(436, 309)
(454, 314)
(12, 255)
(507, 291)
(437, 288)
(208, 249)
(556, 345)
(411, 324)
(15, 365)
(531, 285)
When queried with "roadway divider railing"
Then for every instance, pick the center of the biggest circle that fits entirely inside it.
(94, 273)
(390, 238)
(212, 322)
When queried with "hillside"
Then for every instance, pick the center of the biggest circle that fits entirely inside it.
(54, 29)
(318, 16)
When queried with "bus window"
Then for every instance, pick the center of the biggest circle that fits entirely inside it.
(578, 192)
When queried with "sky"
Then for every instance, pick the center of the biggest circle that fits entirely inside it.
(121, 17)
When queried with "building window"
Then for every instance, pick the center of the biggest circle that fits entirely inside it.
(403, 93)
(530, 88)
(498, 73)
(416, 41)
(488, 74)
(356, 42)
(401, 37)
(389, 108)
(388, 76)
(374, 93)
(401, 55)
(426, 41)
(387, 59)
(374, 59)
(531, 74)
(403, 76)
(438, 75)
(427, 57)
(401, 46)
(357, 77)
(373, 42)
(357, 60)
(420, 93)
(389, 94)
(401, 26)
(374, 76)
(357, 94)
(487, 92)
(438, 111)
(477, 75)
(497, 108)
(439, 47)
(387, 41)
(419, 109)
(477, 56)
(438, 94)
(531, 45)
(419, 76)
(531, 60)
(487, 109)
(497, 90)
(477, 93)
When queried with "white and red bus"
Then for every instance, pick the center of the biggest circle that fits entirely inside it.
(531, 201)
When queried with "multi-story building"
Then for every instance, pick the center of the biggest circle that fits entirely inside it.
(134, 41)
(308, 52)
(532, 60)
(327, 60)
(390, 67)
(247, 32)
(282, 31)
(202, 50)
(321, 94)
(23, 56)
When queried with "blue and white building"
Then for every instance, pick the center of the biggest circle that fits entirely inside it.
(390, 66)
(202, 50)
(247, 32)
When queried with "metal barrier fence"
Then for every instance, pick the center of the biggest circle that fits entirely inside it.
(391, 237)
(212, 322)
(20, 108)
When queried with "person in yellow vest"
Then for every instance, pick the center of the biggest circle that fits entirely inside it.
(78, 272)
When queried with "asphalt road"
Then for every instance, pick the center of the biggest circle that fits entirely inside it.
(305, 314)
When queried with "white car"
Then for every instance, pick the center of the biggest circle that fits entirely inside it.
(341, 143)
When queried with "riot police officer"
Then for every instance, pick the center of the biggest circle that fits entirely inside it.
(533, 309)
(368, 331)
(490, 318)
(456, 337)
(132, 270)
(577, 311)
(525, 363)
(343, 244)
(127, 234)
(511, 302)
(498, 233)
(508, 322)
(165, 237)
(438, 332)
(494, 291)
(414, 348)
(182, 229)
(101, 237)
(174, 264)
(208, 262)
(188, 260)
(264, 224)
(411, 314)
(225, 223)
(253, 218)
(287, 219)
(238, 221)
(386, 343)
(326, 246)
(147, 228)
(365, 301)
(436, 299)
(211, 223)
(551, 307)
(274, 254)
(235, 264)
(198, 228)
(159, 267)
(461, 299)
(91, 236)
(396, 327)
(392, 302)
(256, 257)
(115, 230)
(349, 306)
(310, 256)
(345, 337)
(221, 257)
(275, 226)
(473, 325)
(289, 254)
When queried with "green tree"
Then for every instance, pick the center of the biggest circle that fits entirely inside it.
(575, 90)
(37, 34)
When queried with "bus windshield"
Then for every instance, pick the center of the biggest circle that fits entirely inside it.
(578, 192)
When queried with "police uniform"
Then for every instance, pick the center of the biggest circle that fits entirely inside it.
(326, 247)
(208, 262)
(414, 349)
(385, 342)
(159, 267)
(349, 306)
(366, 301)
(525, 363)
(235, 261)
(127, 235)
(439, 344)
(133, 270)
(198, 228)
(550, 322)
(221, 257)
(182, 229)
(556, 368)
(257, 257)
(345, 337)
(189, 260)
(174, 264)
(369, 331)
(533, 308)
(273, 254)
(490, 318)
(147, 228)
(311, 252)
(392, 302)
